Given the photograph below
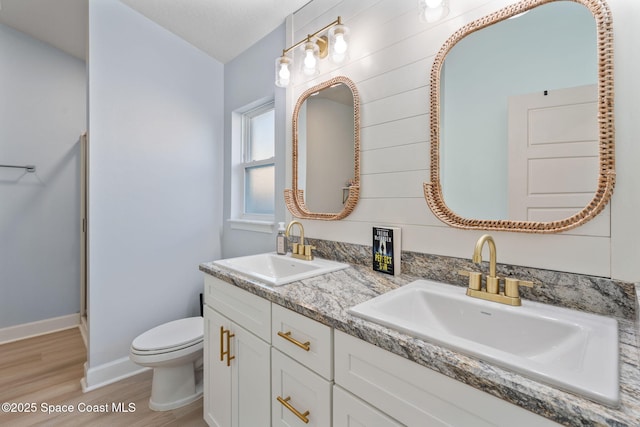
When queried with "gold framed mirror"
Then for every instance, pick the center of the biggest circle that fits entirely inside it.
(594, 191)
(325, 152)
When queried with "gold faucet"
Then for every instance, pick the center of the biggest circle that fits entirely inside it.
(511, 294)
(300, 250)
(493, 284)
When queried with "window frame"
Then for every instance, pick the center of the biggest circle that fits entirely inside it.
(241, 144)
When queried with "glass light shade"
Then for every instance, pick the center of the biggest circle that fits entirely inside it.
(339, 43)
(311, 60)
(433, 10)
(283, 71)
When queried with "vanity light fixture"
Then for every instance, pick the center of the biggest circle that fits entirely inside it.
(433, 10)
(334, 44)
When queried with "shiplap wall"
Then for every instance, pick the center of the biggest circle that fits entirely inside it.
(391, 56)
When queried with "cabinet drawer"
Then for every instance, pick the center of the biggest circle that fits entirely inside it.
(416, 395)
(304, 339)
(247, 310)
(349, 411)
(298, 394)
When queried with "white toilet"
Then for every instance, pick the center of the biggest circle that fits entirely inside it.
(174, 351)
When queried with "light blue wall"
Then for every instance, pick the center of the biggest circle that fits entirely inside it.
(551, 47)
(43, 113)
(249, 78)
(155, 205)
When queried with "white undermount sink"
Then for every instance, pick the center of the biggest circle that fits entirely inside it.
(572, 350)
(277, 270)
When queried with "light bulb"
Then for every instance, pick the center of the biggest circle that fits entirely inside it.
(432, 4)
(433, 14)
(310, 61)
(340, 45)
(283, 72)
(433, 10)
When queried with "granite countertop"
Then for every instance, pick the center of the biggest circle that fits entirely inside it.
(326, 299)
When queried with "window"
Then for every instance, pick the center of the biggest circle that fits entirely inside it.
(253, 157)
(258, 140)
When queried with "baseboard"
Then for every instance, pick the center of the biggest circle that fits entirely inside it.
(109, 373)
(41, 327)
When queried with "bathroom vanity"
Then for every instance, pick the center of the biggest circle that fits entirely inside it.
(314, 361)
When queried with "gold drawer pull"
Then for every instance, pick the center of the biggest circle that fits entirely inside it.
(297, 413)
(287, 336)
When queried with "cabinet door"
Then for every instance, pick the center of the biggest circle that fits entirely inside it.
(251, 384)
(217, 375)
(349, 411)
(237, 375)
(300, 397)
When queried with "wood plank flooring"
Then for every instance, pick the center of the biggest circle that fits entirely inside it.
(44, 373)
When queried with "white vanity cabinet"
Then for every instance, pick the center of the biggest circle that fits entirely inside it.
(266, 365)
(237, 357)
(418, 396)
(301, 370)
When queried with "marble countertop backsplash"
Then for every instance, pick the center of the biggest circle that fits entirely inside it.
(597, 295)
(327, 298)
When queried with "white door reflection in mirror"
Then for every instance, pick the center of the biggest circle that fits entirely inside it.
(553, 153)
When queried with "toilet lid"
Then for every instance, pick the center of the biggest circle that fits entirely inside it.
(177, 333)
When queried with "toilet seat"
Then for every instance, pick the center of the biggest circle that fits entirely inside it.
(169, 337)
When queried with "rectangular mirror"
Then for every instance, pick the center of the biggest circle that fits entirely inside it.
(326, 152)
(522, 119)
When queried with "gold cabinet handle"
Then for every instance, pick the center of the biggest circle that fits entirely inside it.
(287, 336)
(297, 413)
(229, 356)
(226, 352)
(221, 343)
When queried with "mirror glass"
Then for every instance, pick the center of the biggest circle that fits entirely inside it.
(325, 151)
(515, 118)
(503, 71)
(325, 148)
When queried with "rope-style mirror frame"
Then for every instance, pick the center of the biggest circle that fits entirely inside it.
(294, 196)
(607, 175)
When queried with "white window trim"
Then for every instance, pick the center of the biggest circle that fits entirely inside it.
(239, 219)
(252, 225)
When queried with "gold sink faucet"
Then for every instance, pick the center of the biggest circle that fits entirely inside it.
(511, 294)
(300, 250)
(493, 284)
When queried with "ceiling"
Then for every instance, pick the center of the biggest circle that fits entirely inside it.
(220, 28)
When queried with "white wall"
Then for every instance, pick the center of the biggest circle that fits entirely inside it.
(390, 63)
(155, 204)
(43, 113)
(249, 79)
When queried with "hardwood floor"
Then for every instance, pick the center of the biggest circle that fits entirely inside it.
(43, 373)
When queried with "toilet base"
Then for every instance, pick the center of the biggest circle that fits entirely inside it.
(175, 386)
